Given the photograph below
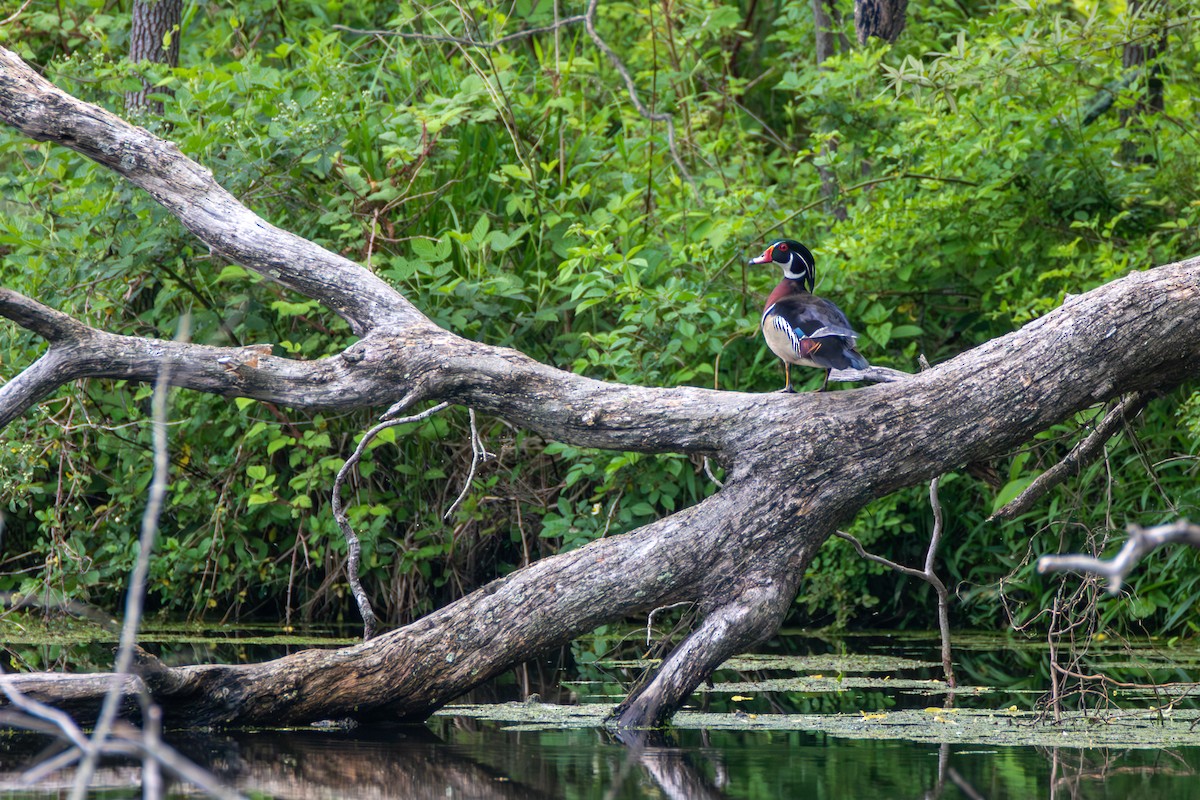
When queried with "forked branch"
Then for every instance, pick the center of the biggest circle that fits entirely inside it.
(926, 573)
(1141, 542)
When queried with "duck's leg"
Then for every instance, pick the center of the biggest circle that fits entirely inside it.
(787, 379)
(825, 383)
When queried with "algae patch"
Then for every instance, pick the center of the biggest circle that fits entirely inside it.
(1142, 728)
(836, 664)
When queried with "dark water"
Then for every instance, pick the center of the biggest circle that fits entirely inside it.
(452, 758)
(456, 757)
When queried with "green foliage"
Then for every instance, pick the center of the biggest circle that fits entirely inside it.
(516, 196)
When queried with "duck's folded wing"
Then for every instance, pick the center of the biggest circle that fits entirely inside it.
(832, 330)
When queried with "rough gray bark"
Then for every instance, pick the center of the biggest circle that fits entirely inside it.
(883, 19)
(797, 466)
(153, 36)
(826, 44)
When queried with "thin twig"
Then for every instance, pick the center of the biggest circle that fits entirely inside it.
(39, 772)
(708, 470)
(963, 785)
(135, 594)
(1141, 542)
(152, 786)
(353, 546)
(464, 42)
(650, 616)
(479, 454)
(1082, 454)
(943, 596)
(15, 14)
(612, 510)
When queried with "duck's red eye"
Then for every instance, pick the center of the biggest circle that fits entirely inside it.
(783, 248)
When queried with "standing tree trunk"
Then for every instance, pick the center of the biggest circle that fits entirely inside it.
(1142, 57)
(826, 47)
(883, 19)
(797, 466)
(154, 37)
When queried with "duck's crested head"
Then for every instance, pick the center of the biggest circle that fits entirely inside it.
(796, 259)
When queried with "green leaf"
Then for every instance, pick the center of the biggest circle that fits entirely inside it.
(880, 334)
(232, 272)
(427, 251)
(1011, 490)
(1141, 607)
(480, 231)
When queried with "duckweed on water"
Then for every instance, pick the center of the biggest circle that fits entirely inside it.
(1143, 728)
(825, 663)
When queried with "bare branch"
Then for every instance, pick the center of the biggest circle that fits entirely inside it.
(1082, 454)
(13, 16)
(926, 574)
(1141, 542)
(479, 454)
(350, 380)
(912, 572)
(353, 547)
(51, 325)
(708, 470)
(650, 617)
(40, 711)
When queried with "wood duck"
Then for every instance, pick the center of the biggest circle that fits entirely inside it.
(800, 327)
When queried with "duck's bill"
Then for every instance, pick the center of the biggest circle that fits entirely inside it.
(765, 258)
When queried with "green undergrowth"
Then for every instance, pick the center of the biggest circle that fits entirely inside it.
(517, 197)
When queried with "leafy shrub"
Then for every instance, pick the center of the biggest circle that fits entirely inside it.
(517, 197)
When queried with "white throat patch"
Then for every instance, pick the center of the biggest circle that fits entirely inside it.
(793, 270)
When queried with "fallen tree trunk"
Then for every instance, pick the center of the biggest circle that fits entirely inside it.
(797, 466)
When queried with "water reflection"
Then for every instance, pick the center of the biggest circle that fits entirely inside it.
(462, 758)
(469, 758)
